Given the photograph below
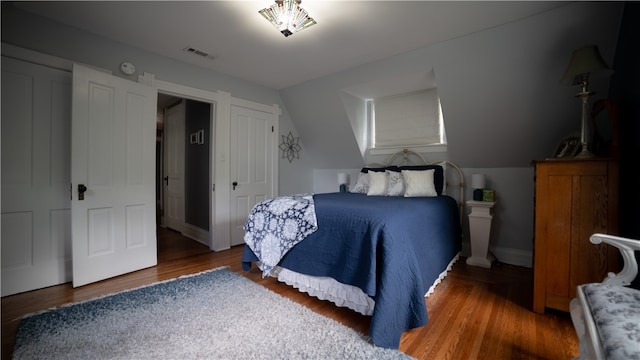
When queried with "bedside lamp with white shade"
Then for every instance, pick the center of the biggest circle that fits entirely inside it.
(478, 183)
(343, 180)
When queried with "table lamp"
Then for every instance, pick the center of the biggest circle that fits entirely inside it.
(585, 62)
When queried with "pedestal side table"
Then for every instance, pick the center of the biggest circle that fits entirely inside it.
(479, 232)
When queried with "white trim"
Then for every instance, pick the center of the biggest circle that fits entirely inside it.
(198, 234)
(420, 149)
(218, 236)
(505, 255)
(271, 109)
(220, 232)
(43, 59)
(222, 227)
(513, 256)
(35, 57)
(184, 91)
(276, 150)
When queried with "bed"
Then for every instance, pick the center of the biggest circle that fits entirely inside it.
(376, 251)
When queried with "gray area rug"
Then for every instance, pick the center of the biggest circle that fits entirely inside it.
(212, 315)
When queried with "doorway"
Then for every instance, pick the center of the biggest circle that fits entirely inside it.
(184, 166)
(172, 245)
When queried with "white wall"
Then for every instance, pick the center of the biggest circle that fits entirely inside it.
(326, 180)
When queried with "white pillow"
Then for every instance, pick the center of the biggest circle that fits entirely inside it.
(418, 183)
(395, 183)
(377, 183)
(362, 185)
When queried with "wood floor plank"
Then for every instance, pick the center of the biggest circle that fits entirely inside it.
(474, 313)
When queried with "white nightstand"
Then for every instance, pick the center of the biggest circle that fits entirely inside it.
(479, 231)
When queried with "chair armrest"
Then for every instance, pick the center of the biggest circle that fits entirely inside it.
(626, 247)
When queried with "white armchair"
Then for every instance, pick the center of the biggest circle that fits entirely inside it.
(606, 315)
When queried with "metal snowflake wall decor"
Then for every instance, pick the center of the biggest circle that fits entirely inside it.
(290, 147)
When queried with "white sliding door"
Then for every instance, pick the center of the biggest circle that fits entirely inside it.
(36, 215)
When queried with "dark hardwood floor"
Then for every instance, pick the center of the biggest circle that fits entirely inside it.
(474, 313)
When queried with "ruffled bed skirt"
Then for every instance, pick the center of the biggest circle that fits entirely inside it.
(326, 288)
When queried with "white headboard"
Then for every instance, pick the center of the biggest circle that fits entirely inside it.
(454, 177)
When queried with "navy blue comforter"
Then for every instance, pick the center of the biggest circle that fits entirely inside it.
(393, 248)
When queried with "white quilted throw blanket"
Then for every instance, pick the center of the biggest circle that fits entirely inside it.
(276, 225)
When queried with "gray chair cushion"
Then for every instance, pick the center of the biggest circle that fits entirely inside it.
(616, 312)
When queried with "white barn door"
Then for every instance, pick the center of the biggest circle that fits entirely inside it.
(113, 161)
(36, 222)
(251, 168)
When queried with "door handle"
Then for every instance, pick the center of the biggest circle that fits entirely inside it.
(81, 191)
(166, 180)
(235, 183)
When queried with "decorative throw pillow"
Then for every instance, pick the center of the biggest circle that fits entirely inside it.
(418, 183)
(362, 185)
(395, 183)
(438, 175)
(377, 183)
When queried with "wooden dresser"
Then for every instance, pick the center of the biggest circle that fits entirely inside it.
(574, 198)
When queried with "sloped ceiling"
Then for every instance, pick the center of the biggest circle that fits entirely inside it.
(497, 64)
(500, 89)
(241, 43)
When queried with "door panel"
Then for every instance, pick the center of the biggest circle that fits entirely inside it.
(252, 141)
(113, 155)
(36, 233)
(174, 132)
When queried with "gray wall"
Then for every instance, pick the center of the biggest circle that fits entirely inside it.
(502, 102)
(196, 164)
(36, 33)
(500, 92)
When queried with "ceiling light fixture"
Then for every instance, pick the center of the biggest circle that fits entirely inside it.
(287, 16)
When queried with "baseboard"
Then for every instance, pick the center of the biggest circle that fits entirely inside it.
(505, 255)
(196, 233)
(513, 256)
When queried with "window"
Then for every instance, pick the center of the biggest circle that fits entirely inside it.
(410, 119)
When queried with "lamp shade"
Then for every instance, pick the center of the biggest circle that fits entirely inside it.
(287, 16)
(478, 181)
(585, 61)
(342, 178)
